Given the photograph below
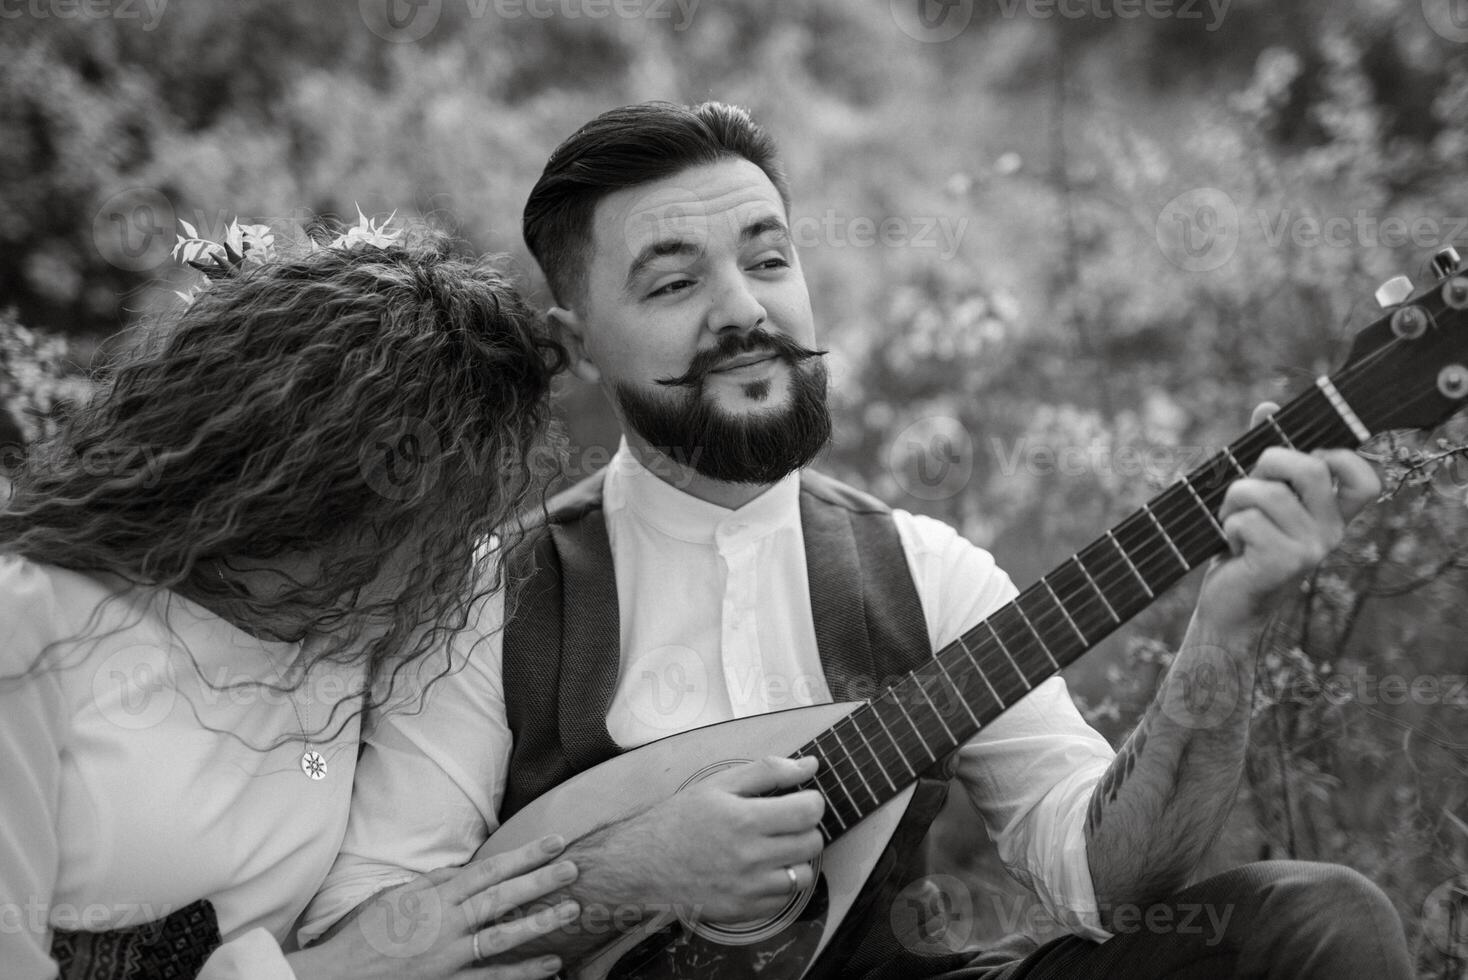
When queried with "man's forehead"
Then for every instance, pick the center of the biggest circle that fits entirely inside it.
(717, 201)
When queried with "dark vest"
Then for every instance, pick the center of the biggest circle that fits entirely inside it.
(562, 641)
(562, 653)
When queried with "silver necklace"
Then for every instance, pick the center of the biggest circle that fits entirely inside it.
(313, 763)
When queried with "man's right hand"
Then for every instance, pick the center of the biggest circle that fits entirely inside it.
(719, 849)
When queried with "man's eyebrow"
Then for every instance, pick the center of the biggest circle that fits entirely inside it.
(761, 227)
(657, 250)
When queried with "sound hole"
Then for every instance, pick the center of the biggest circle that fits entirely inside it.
(675, 953)
(754, 930)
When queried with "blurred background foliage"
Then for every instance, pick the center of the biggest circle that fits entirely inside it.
(1029, 354)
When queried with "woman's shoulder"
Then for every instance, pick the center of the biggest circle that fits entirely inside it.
(41, 604)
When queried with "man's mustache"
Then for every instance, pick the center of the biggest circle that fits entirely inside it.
(730, 347)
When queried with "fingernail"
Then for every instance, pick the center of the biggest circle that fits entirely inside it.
(554, 844)
(567, 911)
(565, 871)
(808, 762)
(550, 964)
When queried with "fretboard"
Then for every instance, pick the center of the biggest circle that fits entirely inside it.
(882, 746)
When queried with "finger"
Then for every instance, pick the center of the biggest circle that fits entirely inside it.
(545, 966)
(1277, 500)
(1262, 411)
(1308, 476)
(1357, 483)
(792, 813)
(1249, 528)
(505, 896)
(796, 848)
(479, 875)
(505, 936)
(768, 774)
(777, 881)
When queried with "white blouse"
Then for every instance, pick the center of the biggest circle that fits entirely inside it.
(135, 777)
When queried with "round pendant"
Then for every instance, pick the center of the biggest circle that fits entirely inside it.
(313, 764)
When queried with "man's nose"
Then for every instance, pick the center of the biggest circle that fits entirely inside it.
(735, 309)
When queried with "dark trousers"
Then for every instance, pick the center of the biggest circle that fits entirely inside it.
(1274, 920)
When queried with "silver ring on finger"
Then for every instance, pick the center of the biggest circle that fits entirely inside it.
(477, 955)
(794, 880)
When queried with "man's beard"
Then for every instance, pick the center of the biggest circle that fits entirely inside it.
(760, 447)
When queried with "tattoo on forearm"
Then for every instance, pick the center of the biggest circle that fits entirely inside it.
(1121, 769)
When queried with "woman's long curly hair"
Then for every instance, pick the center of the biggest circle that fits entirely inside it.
(380, 408)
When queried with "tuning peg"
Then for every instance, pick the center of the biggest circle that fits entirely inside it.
(1445, 262)
(1393, 291)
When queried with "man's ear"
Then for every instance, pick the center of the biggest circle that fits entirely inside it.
(568, 328)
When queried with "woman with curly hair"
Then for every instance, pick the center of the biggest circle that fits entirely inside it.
(284, 509)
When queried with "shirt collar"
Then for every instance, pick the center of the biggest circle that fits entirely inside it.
(663, 506)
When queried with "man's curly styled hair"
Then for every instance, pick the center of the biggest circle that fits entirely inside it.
(381, 407)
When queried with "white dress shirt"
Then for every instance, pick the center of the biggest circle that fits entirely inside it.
(716, 624)
(133, 782)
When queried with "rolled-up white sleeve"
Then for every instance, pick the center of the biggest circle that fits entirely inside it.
(1030, 772)
(428, 781)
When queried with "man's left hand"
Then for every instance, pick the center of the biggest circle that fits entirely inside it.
(1281, 521)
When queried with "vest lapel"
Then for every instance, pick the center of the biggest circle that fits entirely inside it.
(591, 634)
(833, 570)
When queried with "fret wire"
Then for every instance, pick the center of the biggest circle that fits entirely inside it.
(936, 713)
(883, 722)
(1283, 438)
(1128, 559)
(1147, 509)
(873, 752)
(831, 808)
(916, 730)
(1064, 612)
(1007, 654)
(833, 767)
(836, 731)
(1211, 519)
(958, 693)
(1038, 638)
(980, 671)
(1230, 454)
(1077, 559)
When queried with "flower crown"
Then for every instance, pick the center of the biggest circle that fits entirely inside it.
(255, 245)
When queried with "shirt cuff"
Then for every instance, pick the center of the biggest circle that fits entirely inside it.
(253, 956)
(1065, 888)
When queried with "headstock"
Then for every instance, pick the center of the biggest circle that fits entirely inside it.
(1409, 368)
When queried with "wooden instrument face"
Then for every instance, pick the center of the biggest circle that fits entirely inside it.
(1408, 369)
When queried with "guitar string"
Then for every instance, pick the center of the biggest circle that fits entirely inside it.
(1067, 612)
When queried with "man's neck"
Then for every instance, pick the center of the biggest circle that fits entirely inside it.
(690, 481)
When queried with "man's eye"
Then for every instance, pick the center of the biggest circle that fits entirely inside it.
(672, 287)
(773, 262)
